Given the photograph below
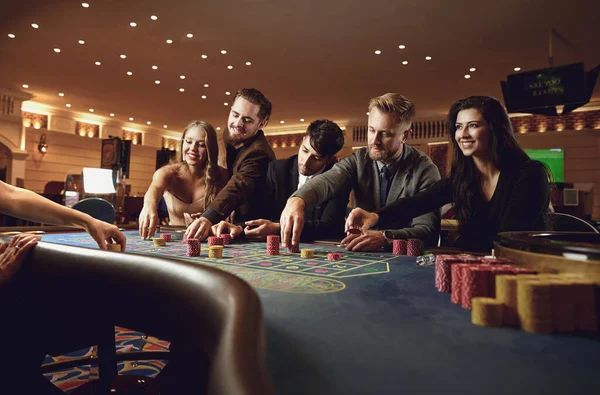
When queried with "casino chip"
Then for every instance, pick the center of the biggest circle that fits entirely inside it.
(334, 256)
(159, 242)
(293, 249)
(215, 241)
(226, 238)
(166, 236)
(399, 246)
(193, 247)
(215, 251)
(307, 253)
(414, 247)
(273, 242)
(487, 312)
(113, 247)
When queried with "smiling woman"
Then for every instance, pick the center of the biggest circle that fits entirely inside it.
(494, 185)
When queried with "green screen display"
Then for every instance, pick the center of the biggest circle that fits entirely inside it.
(554, 158)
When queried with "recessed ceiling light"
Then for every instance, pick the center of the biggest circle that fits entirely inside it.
(154, 67)
(11, 35)
(282, 122)
(301, 119)
(154, 17)
(230, 67)
(517, 69)
(467, 76)
(218, 128)
(169, 41)
(57, 50)
(223, 52)
(225, 104)
(61, 94)
(182, 77)
(472, 69)
(129, 73)
(85, 5)
(165, 126)
(131, 118)
(132, 24)
(35, 25)
(122, 56)
(204, 56)
(68, 105)
(405, 62)
(228, 93)
(248, 63)
(25, 86)
(204, 97)
(401, 46)
(112, 114)
(81, 42)
(206, 85)
(367, 113)
(427, 57)
(91, 110)
(377, 52)
(149, 123)
(189, 35)
(181, 90)
(157, 82)
(97, 63)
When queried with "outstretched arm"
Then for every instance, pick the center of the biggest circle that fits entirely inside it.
(148, 219)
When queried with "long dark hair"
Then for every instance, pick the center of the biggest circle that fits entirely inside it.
(504, 148)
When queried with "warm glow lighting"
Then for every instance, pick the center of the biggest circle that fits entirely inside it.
(282, 122)
(81, 42)
(91, 110)
(154, 67)
(517, 69)
(122, 56)
(132, 24)
(181, 90)
(230, 67)
(129, 73)
(82, 132)
(377, 52)
(204, 97)
(218, 128)
(85, 5)
(405, 62)
(248, 63)
(367, 113)
(228, 93)
(57, 50)
(157, 82)
(401, 46)
(182, 77)
(467, 76)
(35, 25)
(223, 52)
(169, 41)
(154, 17)
(225, 104)
(206, 85)
(131, 118)
(190, 35)
(11, 35)
(301, 119)
(149, 123)
(472, 69)
(61, 94)
(204, 56)
(98, 63)
(68, 105)
(25, 86)
(427, 57)
(112, 114)
(165, 126)
(90, 134)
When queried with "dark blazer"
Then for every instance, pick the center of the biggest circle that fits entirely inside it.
(323, 221)
(247, 167)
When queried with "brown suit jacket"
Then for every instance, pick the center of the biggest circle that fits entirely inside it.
(247, 167)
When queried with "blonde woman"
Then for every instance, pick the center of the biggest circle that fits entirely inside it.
(189, 185)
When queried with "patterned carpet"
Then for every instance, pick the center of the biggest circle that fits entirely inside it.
(126, 341)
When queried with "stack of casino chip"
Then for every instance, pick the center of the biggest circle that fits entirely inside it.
(456, 272)
(334, 256)
(273, 242)
(215, 251)
(487, 312)
(506, 293)
(442, 270)
(307, 253)
(165, 236)
(293, 248)
(215, 241)
(534, 306)
(475, 283)
(399, 246)
(113, 247)
(193, 247)
(226, 238)
(159, 242)
(413, 247)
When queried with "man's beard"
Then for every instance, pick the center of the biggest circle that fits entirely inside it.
(234, 139)
(379, 156)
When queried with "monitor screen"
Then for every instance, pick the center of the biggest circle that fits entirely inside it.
(98, 180)
(554, 158)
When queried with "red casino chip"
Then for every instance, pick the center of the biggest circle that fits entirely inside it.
(165, 236)
(334, 256)
(226, 238)
(413, 247)
(475, 283)
(442, 271)
(273, 242)
(399, 246)
(293, 249)
(193, 247)
(215, 241)
(456, 282)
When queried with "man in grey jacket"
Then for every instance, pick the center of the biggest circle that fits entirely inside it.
(385, 171)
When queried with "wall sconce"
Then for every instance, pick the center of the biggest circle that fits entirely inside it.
(43, 146)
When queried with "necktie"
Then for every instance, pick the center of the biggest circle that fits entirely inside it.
(384, 185)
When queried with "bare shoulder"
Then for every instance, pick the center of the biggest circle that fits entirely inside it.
(167, 173)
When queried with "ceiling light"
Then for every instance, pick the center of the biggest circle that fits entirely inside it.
(97, 63)
(169, 41)
(68, 105)
(405, 62)
(129, 73)
(132, 24)
(122, 56)
(165, 126)
(206, 85)
(81, 42)
(225, 104)
(282, 122)
(157, 82)
(367, 113)
(517, 69)
(154, 67)
(204, 56)
(204, 97)
(301, 119)
(467, 76)
(85, 5)
(230, 67)
(378, 52)
(190, 35)
(427, 57)
(181, 90)
(218, 128)
(61, 94)
(25, 86)
(182, 77)
(91, 110)
(131, 118)
(223, 52)
(472, 69)
(112, 114)
(11, 35)
(248, 63)
(57, 50)
(149, 123)
(228, 93)
(154, 17)
(35, 25)
(401, 46)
